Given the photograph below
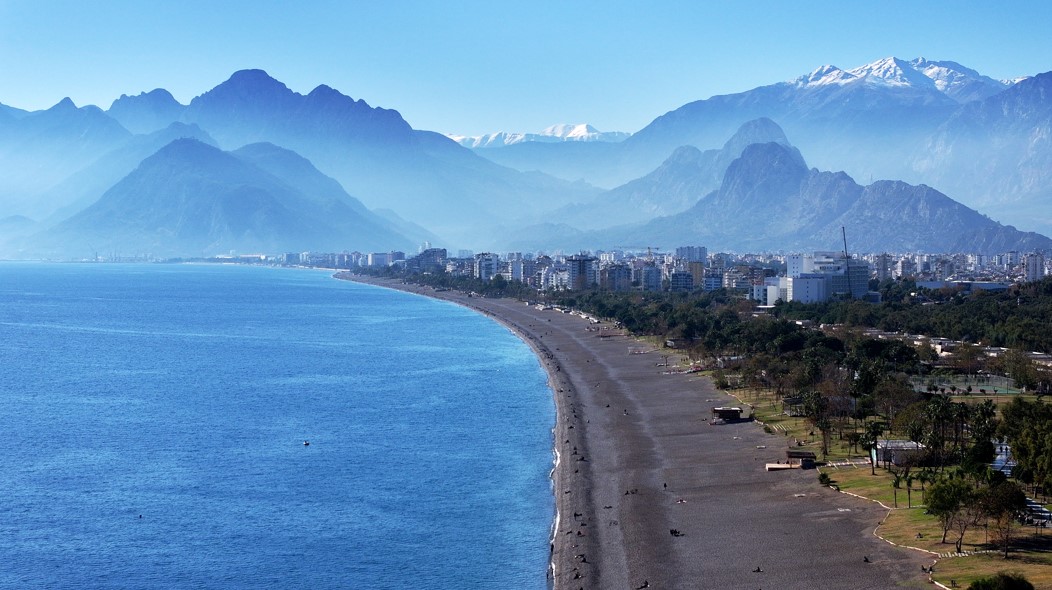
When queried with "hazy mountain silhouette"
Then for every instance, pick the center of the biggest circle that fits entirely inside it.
(146, 112)
(686, 176)
(425, 177)
(190, 198)
(770, 201)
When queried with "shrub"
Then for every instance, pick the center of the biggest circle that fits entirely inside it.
(1002, 581)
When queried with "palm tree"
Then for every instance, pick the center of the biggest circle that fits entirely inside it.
(869, 442)
(909, 477)
(896, 483)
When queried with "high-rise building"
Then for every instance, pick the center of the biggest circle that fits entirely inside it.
(583, 272)
(1034, 267)
(486, 266)
(615, 277)
(692, 253)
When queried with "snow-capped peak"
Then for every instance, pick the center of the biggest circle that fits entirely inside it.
(553, 134)
(946, 77)
(893, 72)
(581, 131)
(824, 76)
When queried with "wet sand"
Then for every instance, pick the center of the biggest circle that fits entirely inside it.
(639, 460)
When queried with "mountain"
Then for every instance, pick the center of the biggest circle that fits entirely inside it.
(85, 186)
(427, 178)
(769, 200)
(554, 134)
(998, 151)
(857, 119)
(299, 173)
(147, 112)
(686, 176)
(192, 199)
(40, 149)
(949, 78)
(9, 112)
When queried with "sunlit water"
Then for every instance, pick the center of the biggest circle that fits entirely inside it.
(154, 417)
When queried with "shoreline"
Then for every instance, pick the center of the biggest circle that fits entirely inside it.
(649, 495)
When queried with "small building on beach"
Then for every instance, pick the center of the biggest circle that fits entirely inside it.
(805, 458)
(724, 415)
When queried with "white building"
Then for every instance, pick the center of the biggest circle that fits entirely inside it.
(486, 266)
(807, 288)
(1034, 267)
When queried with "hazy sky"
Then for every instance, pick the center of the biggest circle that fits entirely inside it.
(480, 66)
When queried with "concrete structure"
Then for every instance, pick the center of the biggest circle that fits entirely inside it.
(807, 288)
(1033, 267)
(897, 452)
(681, 281)
(692, 253)
(583, 272)
(648, 276)
(615, 277)
(486, 266)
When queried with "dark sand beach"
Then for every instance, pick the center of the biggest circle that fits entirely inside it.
(638, 461)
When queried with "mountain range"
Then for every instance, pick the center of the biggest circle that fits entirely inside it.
(769, 200)
(252, 165)
(920, 121)
(554, 134)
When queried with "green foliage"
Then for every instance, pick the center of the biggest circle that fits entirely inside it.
(1015, 318)
(1002, 581)
(1027, 426)
(824, 479)
(950, 500)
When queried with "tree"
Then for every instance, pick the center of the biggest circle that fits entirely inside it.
(968, 358)
(896, 483)
(946, 499)
(1020, 368)
(1002, 503)
(1002, 581)
(874, 430)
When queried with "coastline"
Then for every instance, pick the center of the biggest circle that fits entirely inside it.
(648, 494)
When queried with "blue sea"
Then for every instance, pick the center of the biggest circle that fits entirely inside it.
(153, 421)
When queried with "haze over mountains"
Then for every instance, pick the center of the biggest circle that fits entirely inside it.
(153, 176)
(769, 199)
(553, 134)
(982, 141)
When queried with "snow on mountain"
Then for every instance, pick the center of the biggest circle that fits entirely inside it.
(950, 78)
(553, 134)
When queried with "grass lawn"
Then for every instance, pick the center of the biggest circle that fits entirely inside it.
(1037, 567)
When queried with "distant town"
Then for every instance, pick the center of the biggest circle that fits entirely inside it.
(764, 278)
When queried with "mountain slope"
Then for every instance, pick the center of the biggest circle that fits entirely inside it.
(770, 201)
(192, 199)
(869, 120)
(146, 112)
(553, 134)
(686, 176)
(374, 153)
(999, 152)
(85, 186)
(40, 149)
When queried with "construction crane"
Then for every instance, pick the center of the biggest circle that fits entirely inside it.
(847, 265)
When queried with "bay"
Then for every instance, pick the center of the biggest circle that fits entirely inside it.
(154, 420)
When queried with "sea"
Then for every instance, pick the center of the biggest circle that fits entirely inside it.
(230, 426)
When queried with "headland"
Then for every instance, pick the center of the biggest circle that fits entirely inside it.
(651, 495)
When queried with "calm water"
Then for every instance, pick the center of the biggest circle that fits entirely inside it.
(153, 420)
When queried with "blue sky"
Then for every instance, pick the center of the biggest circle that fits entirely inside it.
(478, 66)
